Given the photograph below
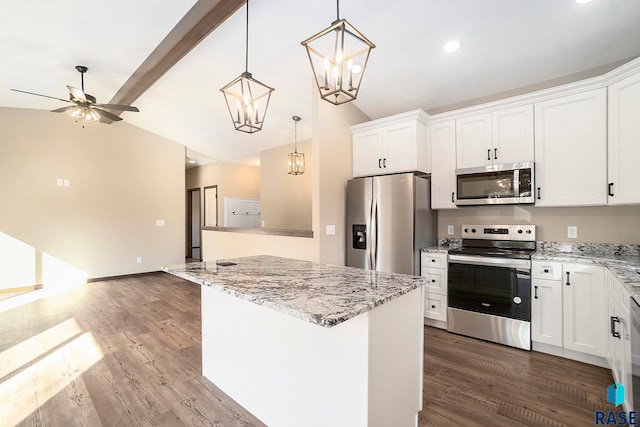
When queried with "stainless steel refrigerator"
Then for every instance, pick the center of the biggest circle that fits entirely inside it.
(389, 219)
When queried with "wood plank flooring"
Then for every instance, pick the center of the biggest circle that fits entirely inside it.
(126, 352)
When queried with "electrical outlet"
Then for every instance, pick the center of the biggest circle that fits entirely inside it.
(572, 232)
(263, 223)
(450, 230)
(139, 260)
(330, 230)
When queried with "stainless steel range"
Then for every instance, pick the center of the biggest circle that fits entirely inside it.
(489, 284)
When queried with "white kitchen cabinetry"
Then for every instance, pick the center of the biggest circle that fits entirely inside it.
(584, 309)
(504, 136)
(619, 335)
(546, 303)
(391, 145)
(434, 269)
(442, 141)
(569, 314)
(624, 142)
(571, 150)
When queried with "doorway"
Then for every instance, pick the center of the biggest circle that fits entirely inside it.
(194, 221)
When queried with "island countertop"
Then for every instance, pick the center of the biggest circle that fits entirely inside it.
(323, 294)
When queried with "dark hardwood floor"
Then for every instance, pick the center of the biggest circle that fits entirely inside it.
(126, 352)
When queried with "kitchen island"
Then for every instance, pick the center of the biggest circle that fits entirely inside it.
(301, 343)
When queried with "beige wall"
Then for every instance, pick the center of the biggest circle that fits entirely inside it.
(285, 200)
(602, 224)
(220, 245)
(332, 149)
(122, 179)
(232, 179)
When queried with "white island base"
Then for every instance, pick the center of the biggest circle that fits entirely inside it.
(366, 371)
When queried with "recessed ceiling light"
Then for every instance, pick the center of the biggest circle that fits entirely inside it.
(583, 1)
(451, 46)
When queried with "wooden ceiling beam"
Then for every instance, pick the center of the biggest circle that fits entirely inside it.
(204, 17)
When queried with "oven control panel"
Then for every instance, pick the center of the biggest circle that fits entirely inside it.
(499, 232)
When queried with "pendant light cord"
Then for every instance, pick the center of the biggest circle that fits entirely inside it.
(337, 10)
(295, 133)
(246, 42)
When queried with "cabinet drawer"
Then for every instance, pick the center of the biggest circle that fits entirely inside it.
(436, 280)
(546, 270)
(435, 306)
(433, 260)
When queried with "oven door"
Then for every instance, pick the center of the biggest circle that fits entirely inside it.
(496, 286)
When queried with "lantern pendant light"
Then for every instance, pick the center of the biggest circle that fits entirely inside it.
(295, 163)
(247, 98)
(338, 56)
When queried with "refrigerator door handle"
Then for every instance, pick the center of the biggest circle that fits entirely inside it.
(375, 235)
(370, 237)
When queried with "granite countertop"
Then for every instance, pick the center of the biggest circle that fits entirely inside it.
(624, 266)
(325, 295)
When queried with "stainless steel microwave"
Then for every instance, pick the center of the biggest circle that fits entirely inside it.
(510, 183)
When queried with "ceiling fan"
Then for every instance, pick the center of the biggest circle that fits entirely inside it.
(85, 108)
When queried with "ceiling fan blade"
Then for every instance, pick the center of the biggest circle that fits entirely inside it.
(37, 94)
(62, 109)
(118, 107)
(77, 94)
(107, 115)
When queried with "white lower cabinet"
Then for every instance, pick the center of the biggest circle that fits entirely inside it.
(619, 336)
(569, 310)
(434, 269)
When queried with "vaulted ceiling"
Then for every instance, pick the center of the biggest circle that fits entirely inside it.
(507, 45)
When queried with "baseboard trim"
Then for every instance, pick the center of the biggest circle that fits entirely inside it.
(122, 276)
(20, 289)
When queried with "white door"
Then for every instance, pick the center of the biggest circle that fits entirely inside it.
(442, 137)
(399, 147)
(367, 153)
(512, 135)
(473, 141)
(624, 142)
(546, 311)
(585, 309)
(571, 150)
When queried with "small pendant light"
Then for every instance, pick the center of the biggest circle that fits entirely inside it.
(247, 98)
(338, 56)
(295, 163)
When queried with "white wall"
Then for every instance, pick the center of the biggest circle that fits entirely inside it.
(122, 179)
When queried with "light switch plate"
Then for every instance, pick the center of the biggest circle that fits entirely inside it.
(450, 230)
(60, 182)
(160, 222)
(67, 183)
(330, 230)
(139, 260)
(572, 232)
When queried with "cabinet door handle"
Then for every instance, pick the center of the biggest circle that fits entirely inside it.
(495, 154)
(452, 201)
(611, 189)
(538, 193)
(384, 163)
(379, 163)
(433, 306)
(614, 320)
(535, 289)
(568, 282)
(489, 154)
(433, 280)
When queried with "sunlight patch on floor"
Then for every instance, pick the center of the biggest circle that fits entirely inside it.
(26, 391)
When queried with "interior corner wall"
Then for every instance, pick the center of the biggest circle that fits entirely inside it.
(121, 179)
(285, 200)
(332, 151)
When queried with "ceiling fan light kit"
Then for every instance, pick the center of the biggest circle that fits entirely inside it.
(247, 98)
(338, 56)
(85, 108)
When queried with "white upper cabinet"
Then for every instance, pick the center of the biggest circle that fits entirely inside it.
(442, 141)
(504, 136)
(391, 145)
(624, 142)
(571, 150)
